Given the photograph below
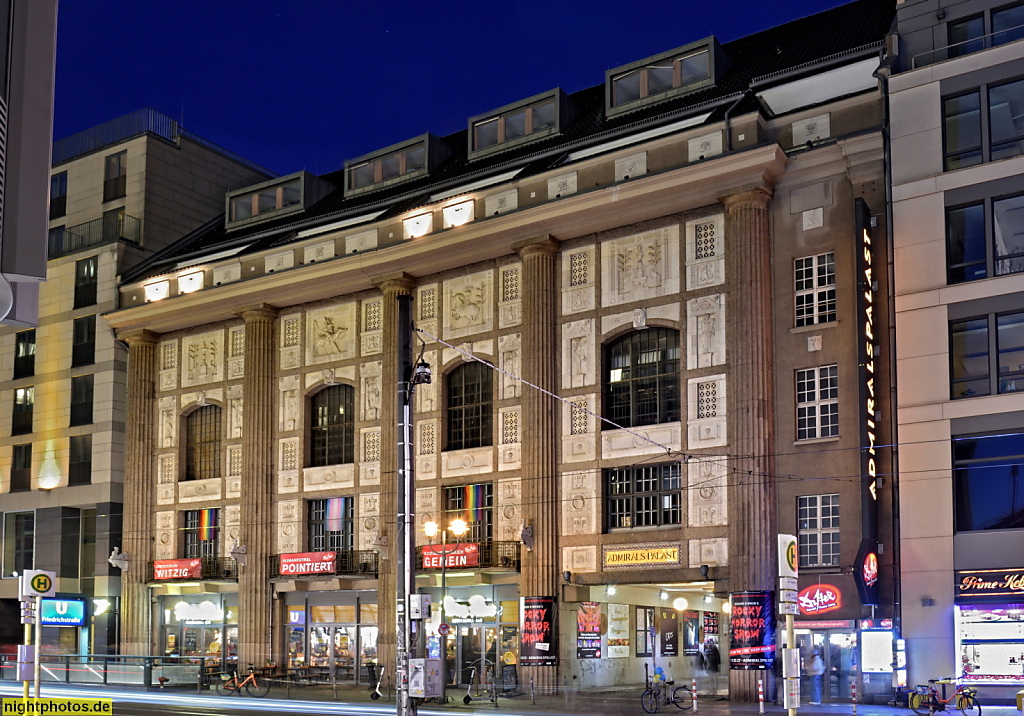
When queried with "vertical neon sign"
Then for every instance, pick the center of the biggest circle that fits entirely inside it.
(866, 359)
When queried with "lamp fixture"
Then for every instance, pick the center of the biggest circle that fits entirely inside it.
(663, 595)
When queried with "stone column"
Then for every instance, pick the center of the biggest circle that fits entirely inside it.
(751, 407)
(139, 479)
(257, 523)
(540, 567)
(392, 286)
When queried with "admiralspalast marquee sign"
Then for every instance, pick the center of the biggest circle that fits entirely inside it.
(866, 291)
(643, 556)
(990, 585)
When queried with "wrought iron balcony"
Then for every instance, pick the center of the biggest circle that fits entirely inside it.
(212, 568)
(492, 555)
(112, 227)
(348, 563)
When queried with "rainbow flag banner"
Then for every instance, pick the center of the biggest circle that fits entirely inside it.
(474, 499)
(208, 524)
(338, 509)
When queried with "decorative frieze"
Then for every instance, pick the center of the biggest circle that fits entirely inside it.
(510, 359)
(640, 267)
(370, 382)
(510, 305)
(289, 531)
(705, 146)
(369, 465)
(329, 477)
(705, 252)
(705, 331)
(372, 336)
(641, 440)
(468, 305)
(508, 509)
(706, 426)
(579, 278)
(330, 333)
(578, 560)
(579, 439)
(232, 524)
(166, 542)
(579, 361)
(509, 449)
(713, 552)
(464, 463)
(290, 411)
(501, 202)
(318, 252)
(288, 460)
(580, 502)
(203, 358)
(200, 490)
(631, 167)
(562, 185)
(368, 520)
(707, 493)
(168, 421)
(360, 241)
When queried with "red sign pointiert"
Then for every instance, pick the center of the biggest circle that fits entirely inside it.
(308, 563)
(436, 556)
(177, 569)
(819, 599)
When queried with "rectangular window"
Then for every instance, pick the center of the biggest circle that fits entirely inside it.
(330, 525)
(25, 354)
(86, 281)
(983, 125)
(818, 530)
(988, 483)
(645, 631)
(115, 175)
(987, 355)
(658, 77)
(514, 124)
(475, 505)
(972, 34)
(393, 165)
(81, 400)
(21, 468)
(80, 461)
(24, 404)
(55, 242)
(113, 224)
(83, 341)
(966, 36)
(58, 195)
(202, 533)
(19, 541)
(643, 496)
(266, 200)
(817, 402)
(814, 279)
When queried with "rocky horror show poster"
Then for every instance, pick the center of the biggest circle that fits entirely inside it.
(752, 621)
(538, 646)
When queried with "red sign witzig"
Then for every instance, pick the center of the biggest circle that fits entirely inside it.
(819, 599)
(177, 569)
(454, 555)
(308, 563)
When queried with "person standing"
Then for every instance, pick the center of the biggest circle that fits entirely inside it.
(815, 670)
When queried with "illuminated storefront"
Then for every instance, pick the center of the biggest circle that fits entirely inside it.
(333, 631)
(200, 626)
(989, 622)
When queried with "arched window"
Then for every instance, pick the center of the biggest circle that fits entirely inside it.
(642, 378)
(202, 443)
(470, 401)
(331, 435)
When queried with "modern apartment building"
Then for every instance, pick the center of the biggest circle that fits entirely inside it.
(957, 117)
(655, 314)
(117, 193)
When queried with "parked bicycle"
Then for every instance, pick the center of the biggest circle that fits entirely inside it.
(661, 692)
(925, 700)
(254, 686)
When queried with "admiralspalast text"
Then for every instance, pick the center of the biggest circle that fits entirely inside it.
(661, 555)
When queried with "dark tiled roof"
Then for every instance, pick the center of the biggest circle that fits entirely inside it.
(777, 50)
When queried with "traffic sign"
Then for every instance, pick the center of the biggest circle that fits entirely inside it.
(787, 583)
(788, 560)
(788, 608)
(37, 583)
(444, 630)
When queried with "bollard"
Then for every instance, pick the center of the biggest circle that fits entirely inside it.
(760, 696)
(533, 693)
(853, 694)
(693, 686)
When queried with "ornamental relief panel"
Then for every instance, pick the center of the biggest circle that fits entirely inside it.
(707, 493)
(712, 552)
(509, 447)
(579, 363)
(288, 461)
(290, 410)
(468, 305)
(370, 382)
(705, 331)
(203, 358)
(462, 463)
(643, 440)
(580, 503)
(232, 524)
(289, 533)
(166, 546)
(510, 305)
(579, 274)
(425, 395)
(368, 524)
(201, 397)
(705, 252)
(510, 360)
(329, 477)
(426, 511)
(168, 421)
(579, 429)
(508, 510)
(369, 463)
(706, 412)
(640, 267)
(200, 490)
(579, 559)
(330, 333)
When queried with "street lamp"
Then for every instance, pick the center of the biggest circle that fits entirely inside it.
(458, 529)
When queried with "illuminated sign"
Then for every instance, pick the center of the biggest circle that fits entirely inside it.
(177, 569)
(866, 359)
(819, 599)
(984, 584)
(436, 556)
(667, 554)
(62, 612)
(865, 572)
(203, 612)
(308, 563)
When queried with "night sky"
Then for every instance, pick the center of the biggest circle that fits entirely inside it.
(307, 84)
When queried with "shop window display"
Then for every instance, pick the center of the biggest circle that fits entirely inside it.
(991, 642)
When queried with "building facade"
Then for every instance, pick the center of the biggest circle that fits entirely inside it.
(958, 185)
(118, 192)
(650, 316)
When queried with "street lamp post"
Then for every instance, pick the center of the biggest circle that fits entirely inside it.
(458, 528)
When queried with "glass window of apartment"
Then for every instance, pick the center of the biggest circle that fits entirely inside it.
(81, 399)
(25, 354)
(962, 124)
(83, 341)
(113, 224)
(514, 124)
(58, 195)
(966, 252)
(986, 124)
(86, 281)
(661, 76)
(973, 34)
(115, 174)
(643, 496)
(21, 468)
(814, 279)
(402, 162)
(966, 35)
(817, 402)
(202, 533)
(55, 242)
(202, 443)
(331, 438)
(642, 378)
(1006, 119)
(987, 355)
(19, 541)
(475, 505)
(80, 461)
(470, 397)
(1008, 24)
(330, 525)
(24, 406)
(818, 530)
(988, 482)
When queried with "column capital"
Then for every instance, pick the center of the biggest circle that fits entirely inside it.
(257, 311)
(540, 245)
(398, 282)
(758, 195)
(139, 336)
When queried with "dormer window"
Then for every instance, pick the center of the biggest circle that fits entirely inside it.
(669, 75)
(274, 198)
(267, 200)
(526, 121)
(398, 163)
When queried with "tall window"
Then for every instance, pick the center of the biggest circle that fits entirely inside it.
(58, 195)
(25, 354)
(83, 341)
(985, 239)
(85, 282)
(24, 405)
(80, 461)
(642, 378)
(988, 481)
(21, 468)
(330, 525)
(643, 496)
(983, 125)
(645, 631)
(814, 280)
(202, 443)
(987, 355)
(19, 541)
(113, 224)
(81, 399)
(202, 533)
(818, 530)
(817, 402)
(331, 439)
(475, 505)
(470, 399)
(115, 175)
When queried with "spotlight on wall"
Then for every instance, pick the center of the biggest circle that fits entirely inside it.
(567, 576)
(704, 569)
(663, 595)
(611, 590)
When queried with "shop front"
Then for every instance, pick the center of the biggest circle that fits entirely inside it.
(335, 632)
(989, 622)
(198, 626)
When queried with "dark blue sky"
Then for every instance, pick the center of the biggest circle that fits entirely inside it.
(307, 84)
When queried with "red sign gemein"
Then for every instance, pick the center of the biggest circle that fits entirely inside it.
(454, 555)
(177, 569)
(308, 563)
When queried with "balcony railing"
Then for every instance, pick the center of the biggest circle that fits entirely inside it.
(218, 568)
(92, 233)
(359, 562)
(492, 555)
(968, 47)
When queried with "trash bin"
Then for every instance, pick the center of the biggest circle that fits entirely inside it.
(371, 674)
(1020, 700)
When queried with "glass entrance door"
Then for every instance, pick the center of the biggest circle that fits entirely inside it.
(345, 650)
(837, 650)
(477, 652)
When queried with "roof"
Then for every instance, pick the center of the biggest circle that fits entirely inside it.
(782, 53)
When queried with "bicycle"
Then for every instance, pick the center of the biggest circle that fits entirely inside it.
(925, 700)
(229, 684)
(653, 698)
